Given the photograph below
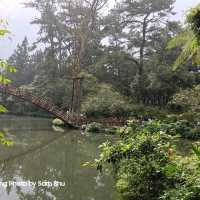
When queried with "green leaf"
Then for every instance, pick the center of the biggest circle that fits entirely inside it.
(180, 39)
(170, 169)
(4, 80)
(3, 109)
(5, 141)
(3, 32)
(196, 150)
(189, 51)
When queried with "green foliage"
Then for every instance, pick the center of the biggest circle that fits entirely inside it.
(143, 168)
(106, 102)
(5, 68)
(184, 128)
(109, 62)
(94, 128)
(193, 19)
(23, 62)
(190, 48)
(5, 141)
(189, 40)
(188, 190)
(3, 109)
(196, 150)
(188, 100)
(138, 25)
(4, 65)
(3, 31)
(120, 71)
(147, 112)
(140, 162)
(145, 77)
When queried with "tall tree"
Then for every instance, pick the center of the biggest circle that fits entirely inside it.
(83, 19)
(21, 59)
(139, 20)
(69, 27)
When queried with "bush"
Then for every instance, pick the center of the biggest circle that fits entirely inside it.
(148, 112)
(94, 128)
(144, 169)
(188, 191)
(106, 102)
(189, 187)
(186, 129)
(172, 126)
(110, 130)
(187, 100)
(140, 162)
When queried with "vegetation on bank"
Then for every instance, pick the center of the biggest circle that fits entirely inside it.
(146, 164)
(146, 161)
(125, 75)
(129, 76)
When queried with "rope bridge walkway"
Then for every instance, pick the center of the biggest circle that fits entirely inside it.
(45, 104)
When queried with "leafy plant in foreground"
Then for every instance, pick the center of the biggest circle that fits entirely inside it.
(143, 168)
(140, 161)
(4, 68)
(196, 150)
(189, 40)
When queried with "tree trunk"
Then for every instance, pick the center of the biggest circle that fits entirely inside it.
(141, 62)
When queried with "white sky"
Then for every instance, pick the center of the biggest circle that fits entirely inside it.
(19, 19)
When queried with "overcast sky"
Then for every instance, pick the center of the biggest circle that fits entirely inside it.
(19, 21)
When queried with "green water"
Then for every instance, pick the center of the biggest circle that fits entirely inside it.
(41, 154)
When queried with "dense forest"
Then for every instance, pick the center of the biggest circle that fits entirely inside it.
(133, 61)
(102, 62)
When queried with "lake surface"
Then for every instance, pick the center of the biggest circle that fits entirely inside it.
(41, 156)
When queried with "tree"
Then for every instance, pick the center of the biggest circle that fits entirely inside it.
(69, 28)
(118, 66)
(160, 82)
(139, 20)
(21, 59)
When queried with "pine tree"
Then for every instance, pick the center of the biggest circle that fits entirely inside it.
(21, 59)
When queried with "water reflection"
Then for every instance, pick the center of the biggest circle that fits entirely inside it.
(42, 154)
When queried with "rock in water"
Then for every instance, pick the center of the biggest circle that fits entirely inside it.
(58, 122)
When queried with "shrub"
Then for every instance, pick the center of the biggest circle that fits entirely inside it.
(187, 100)
(172, 126)
(140, 161)
(144, 169)
(189, 188)
(106, 102)
(184, 128)
(94, 128)
(148, 112)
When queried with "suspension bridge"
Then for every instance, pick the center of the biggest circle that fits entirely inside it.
(70, 119)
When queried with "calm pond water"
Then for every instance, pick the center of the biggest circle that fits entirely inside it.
(41, 154)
